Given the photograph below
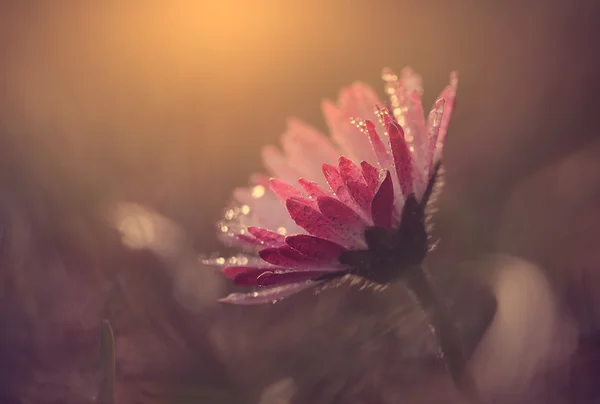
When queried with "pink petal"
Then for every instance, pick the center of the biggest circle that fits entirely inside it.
(357, 186)
(247, 276)
(232, 272)
(405, 95)
(267, 237)
(259, 179)
(278, 165)
(315, 223)
(378, 146)
(313, 189)
(344, 196)
(315, 247)
(287, 257)
(344, 132)
(249, 240)
(449, 97)
(402, 157)
(434, 119)
(306, 149)
(408, 82)
(338, 186)
(361, 193)
(333, 177)
(339, 126)
(371, 176)
(219, 261)
(272, 279)
(273, 276)
(416, 120)
(344, 219)
(283, 190)
(268, 295)
(349, 170)
(417, 141)
(358, 100)
(383, 204)
(266, 210)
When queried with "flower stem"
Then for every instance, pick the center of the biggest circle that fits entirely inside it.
(445, 332)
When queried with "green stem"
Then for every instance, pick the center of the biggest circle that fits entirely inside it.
(445, 332)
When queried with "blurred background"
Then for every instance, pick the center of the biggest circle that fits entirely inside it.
(168, 104)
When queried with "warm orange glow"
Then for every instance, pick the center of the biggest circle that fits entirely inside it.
(124, 65)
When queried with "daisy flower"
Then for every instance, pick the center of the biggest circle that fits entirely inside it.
(355, 207)
(352, 206)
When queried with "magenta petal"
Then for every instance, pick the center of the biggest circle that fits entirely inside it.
(337, 184)
(349, 171)
(382, 207)
(283, 190)
(361, 194)
(344, 196)
(313, 189)
(402, 157)
(315, 247)
(248, 240)
(287, 257)
(356, 184)
(246, 276)
(371, 176)
(268, 295)
(344, 220)
(267, 237)
(333, 177)
(273, 279)
(273, 276)
(232, 272)
(314, 222)
(380, 151)
(339, 212)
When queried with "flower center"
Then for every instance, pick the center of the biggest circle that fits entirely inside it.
(391, 253)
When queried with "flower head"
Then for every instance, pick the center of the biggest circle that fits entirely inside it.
(352, 206)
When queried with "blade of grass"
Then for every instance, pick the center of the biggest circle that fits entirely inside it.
(106, 391)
